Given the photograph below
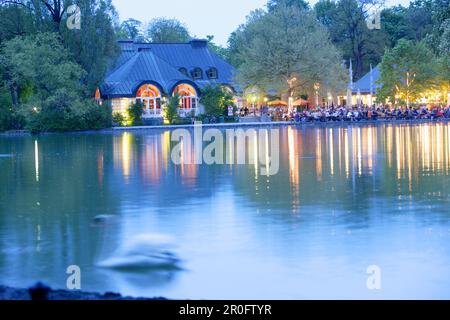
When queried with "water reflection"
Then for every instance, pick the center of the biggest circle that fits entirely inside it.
(344, 196)
(36, 159)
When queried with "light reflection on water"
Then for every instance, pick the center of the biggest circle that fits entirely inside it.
(345, 198)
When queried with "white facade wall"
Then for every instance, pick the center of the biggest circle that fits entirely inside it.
(120, 105)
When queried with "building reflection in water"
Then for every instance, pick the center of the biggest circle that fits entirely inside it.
(100, 167)
(123, 154)
(294, 145)
(352, 152)
(151, 155)
(409, 150)
(36, 160)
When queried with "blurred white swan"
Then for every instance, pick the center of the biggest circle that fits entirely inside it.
(143, 252)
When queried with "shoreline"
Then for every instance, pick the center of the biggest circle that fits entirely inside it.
(10, 293)
(329, 124)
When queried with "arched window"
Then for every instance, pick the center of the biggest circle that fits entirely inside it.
(212, 73)
(197, 73)
(150, 96)
(184, 71)
(188, 97)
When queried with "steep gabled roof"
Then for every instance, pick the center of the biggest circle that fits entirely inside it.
(363, 85)
(160, 64)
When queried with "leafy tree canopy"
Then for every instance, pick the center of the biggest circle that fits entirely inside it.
(41, 62)
(45, 83)
(407, 70)
(163, 30)
(287, 49)
(131, 29)
(216, 100)
(300, 4)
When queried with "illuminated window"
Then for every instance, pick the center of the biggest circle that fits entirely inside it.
(188, 96)
(197, 73)
(150, 96)
(212, 73)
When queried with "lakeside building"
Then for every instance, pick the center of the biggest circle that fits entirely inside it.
(150, 72)
(363, 90)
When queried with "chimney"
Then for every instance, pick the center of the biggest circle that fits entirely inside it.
(199, 43)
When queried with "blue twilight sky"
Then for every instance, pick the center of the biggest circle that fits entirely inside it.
(202, 17)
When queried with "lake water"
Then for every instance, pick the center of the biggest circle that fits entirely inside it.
(345, 198)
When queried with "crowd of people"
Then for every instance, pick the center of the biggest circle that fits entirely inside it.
(366, 113)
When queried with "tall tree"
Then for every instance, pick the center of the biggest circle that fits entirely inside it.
(288, 50)
(53, 100)
(131, 29)
(42, 63)
(394, 23)
(300, 4)
(420, 19)
(444, 49)
(162, 30)
(42, 9)
(346, 21)
(94, 46)
(407, 71)
(15, 21)
(219, 50)
(241, 36)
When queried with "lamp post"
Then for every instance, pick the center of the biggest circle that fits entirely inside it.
(291, 93)
(371, 86)
(316, 89)
(408, 84)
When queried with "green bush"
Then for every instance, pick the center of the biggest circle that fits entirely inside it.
(135, 112)
(96, 116)
(10, 120)
(171, 109)
(5, 119)
(216, 101)
(62, 112)
(118, 119)
(45, 87)
(6, 114)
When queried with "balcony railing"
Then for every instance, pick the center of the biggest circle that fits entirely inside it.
(184, 112)
(152, 113)
(157, 113)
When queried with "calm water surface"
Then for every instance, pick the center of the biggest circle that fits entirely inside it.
(345, 198)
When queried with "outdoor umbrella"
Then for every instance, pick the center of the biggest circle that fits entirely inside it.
(277, 103)
(300, 102)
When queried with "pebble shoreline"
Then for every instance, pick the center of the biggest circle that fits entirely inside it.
(8, 293)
